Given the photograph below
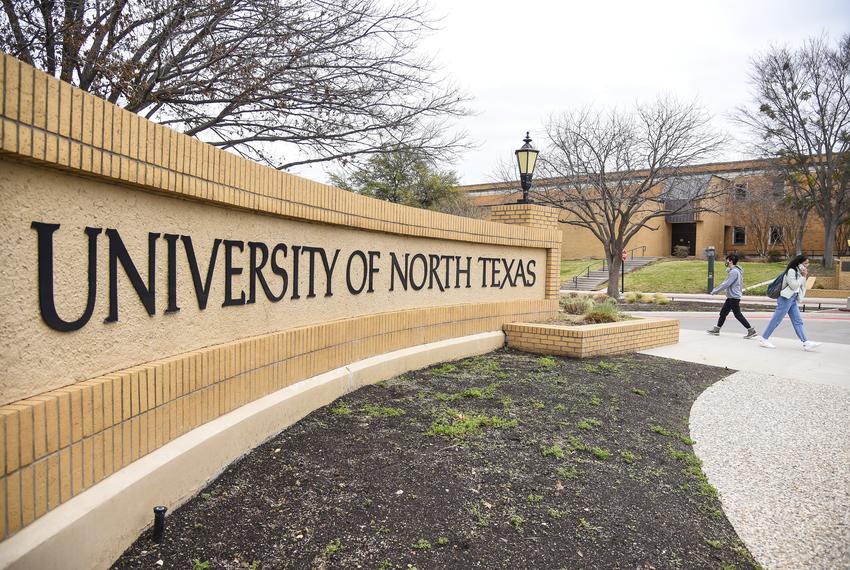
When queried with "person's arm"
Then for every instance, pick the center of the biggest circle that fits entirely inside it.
(794, 280)
(729, 280)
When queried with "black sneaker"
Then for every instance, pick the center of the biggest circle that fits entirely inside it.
(751, 333)
(714, 330)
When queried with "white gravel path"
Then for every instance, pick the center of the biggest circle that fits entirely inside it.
(778, 452)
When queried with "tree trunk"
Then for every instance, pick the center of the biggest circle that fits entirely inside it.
(829, 228)
(801, 228)
(614, 264)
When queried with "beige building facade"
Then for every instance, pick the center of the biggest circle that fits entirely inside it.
(726, 227)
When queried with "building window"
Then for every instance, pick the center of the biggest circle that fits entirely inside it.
(778, 188)
(739, 235)
(740, 191)
(775, 235)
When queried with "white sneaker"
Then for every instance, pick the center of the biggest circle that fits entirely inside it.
(810, 345)
(764, 343)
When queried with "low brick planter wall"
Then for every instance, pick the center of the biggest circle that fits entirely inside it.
(584, 341)
(827, 293)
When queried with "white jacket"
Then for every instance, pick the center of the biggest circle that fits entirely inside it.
(794, 284)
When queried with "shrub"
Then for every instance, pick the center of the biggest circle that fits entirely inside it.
(774, 256)
(601, 298)
(603, 313)
(576, 305)
(642, 297)
(681, 251)
(661, 299)
(630, 297)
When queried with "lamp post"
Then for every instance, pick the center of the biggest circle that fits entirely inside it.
(526, 158)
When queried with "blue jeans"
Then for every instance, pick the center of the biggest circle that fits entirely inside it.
(784, 306)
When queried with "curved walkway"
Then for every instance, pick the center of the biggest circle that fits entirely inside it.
(778, 451)
(774, 439)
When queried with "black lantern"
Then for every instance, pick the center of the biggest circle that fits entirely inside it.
(526, 157)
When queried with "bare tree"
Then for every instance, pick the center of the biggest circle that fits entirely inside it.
(615, 173)
(337, 79)
(761, 210)
(801, 114)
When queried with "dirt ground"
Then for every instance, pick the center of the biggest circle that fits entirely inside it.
(508, 460)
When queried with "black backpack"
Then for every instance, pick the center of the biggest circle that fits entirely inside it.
(775, 288)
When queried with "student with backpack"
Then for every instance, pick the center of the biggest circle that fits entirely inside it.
(792, 291)
(734, 286)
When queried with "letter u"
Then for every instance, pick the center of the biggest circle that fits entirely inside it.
(46, 300)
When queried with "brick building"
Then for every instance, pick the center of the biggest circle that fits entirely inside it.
(746, 220)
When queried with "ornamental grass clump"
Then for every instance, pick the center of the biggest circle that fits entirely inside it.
(661, 299)
(603, 313)
(576, 305)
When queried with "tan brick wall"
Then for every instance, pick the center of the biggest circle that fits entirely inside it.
(592, 340)
(57, 442)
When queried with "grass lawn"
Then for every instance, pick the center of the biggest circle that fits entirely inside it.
(572, 267)
(691, 275)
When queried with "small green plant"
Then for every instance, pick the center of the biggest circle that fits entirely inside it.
(422, 544)
(255, 565)
(718, 544)
(456, 425)
(660, 430)
(445, 368)
(567, 473)
(576, 305)
(559, 408)
(442, 541)
(554, 513)
(553, 451)
(577, 445)
(628, 457)
(480, 519)
(610, 367)
(507, 402)
(603, 313)
(589, 423)
(332, 547)
(385, 565)
(639, 392)
(517, 522)
(590, 368)
(374, 411)
(546, 362)
(341, 409)
(535, 498)
(538, 405)
(472, 393)
(367, 503)
(595, 400)
(686, 440)
(198, 565)
(600, 453)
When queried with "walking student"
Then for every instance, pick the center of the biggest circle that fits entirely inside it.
(734, 286)
(793, 291)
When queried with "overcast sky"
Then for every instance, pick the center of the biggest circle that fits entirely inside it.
(523, 61)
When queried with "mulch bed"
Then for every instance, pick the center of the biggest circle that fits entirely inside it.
(508, 460)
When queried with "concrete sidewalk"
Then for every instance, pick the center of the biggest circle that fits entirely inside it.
(774, 439)
(829, 364)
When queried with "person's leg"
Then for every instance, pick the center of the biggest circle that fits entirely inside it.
(797, 320)
(782, 306)
(736, 310)
(724, 312)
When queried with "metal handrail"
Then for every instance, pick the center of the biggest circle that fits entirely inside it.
(586, 271)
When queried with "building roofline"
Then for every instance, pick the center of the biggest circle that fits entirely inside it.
(708, 168)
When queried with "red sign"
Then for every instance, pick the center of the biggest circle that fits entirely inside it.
(625, 255)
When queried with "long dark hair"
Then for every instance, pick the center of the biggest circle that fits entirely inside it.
(795, 262)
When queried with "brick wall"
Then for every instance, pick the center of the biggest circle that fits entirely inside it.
(592, 340)
(56, 443)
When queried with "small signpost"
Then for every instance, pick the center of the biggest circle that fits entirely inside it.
(709, 254)
(623, 273)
